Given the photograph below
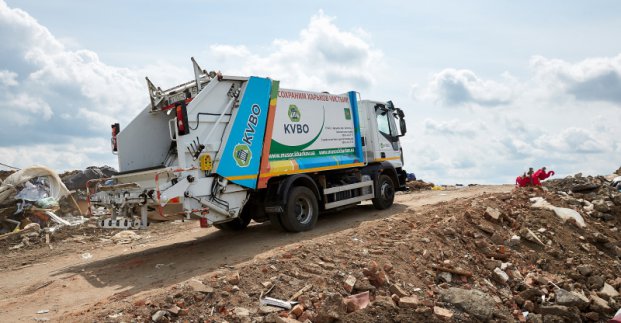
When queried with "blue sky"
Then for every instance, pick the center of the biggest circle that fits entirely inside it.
(490, 88)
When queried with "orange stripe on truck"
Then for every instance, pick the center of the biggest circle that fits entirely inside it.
(265, 167)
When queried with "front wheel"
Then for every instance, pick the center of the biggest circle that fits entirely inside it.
(384, 192)
(301, 211)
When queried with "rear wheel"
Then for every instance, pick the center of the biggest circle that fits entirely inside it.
(384, 192)
(301, 211)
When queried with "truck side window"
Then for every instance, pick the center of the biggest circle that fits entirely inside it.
(383, 124)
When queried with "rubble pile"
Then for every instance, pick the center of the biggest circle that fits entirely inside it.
(419, 185)
(76, 180)
(596, 196)
(520, 256)
(33, 203)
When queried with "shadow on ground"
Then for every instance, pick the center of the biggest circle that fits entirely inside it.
(161, 266)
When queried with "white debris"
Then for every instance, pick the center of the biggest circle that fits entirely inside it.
(125, 237)
(563, 213)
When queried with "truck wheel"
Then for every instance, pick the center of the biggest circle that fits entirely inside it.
(301, 211)
(384, 192)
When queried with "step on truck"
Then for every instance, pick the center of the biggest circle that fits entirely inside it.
(230, 150)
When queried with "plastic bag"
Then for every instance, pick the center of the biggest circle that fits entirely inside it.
(47, 203)
(33, 192)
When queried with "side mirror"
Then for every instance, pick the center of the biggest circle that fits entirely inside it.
(402, 126)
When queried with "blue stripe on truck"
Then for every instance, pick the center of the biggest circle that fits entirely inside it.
(354, 108)
(242, 153)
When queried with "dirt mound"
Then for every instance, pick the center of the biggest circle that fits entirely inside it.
(492, 258)
(76, 180)
(418, 185)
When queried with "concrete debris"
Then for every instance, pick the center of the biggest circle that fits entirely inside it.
(125, 237)
(241, 312)
(410, 301)
(233, 278)
(598, 303)
(500, 275)
(276, 302)
(442, 312)
(492, 213)
(566, 298)
(514, 241)
(159, 315)
(397, 290)
(349, 283)
(567, 314)
(198, 286)
(286, 320)
(563, 213)
(474, 302)
(529, 235)
(609, 291)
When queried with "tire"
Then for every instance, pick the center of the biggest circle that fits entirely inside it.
(384, 192)
(237, 224)
(301, 211)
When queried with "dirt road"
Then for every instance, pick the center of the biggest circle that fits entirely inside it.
(73, 279)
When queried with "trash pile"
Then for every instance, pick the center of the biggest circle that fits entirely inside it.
(30, 200)
(419, 185)
(532, 255)
(76, 180)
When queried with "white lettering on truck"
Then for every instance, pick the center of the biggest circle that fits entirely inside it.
(253, 120)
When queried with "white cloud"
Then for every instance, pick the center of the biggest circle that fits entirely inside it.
(61, 93)
(73, 154)
(593, 79)
(452, 128)
(323, 57)
(454, 87)
(574, 140)
(8, 78)
(590, 80)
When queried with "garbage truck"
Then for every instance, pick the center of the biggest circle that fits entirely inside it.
(229, 150)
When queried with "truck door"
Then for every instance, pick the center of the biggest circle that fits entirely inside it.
(387, 142)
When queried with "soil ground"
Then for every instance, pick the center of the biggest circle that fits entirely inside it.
(84, 276)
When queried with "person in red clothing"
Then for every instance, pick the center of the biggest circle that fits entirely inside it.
(533, 179)
(522, 181)
(541, 174)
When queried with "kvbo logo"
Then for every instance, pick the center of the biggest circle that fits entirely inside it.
(242, 152)
(295, 116)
